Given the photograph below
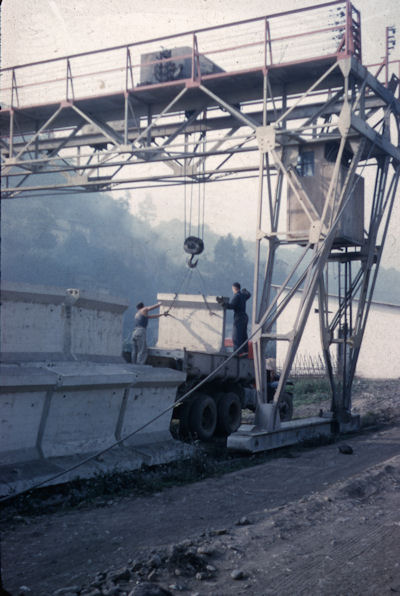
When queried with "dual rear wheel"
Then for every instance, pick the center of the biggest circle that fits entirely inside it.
(205, 416)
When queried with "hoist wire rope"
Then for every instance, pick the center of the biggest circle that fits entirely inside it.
(199, 210)
(142, 427)
(187, 273)
(184, 200)
(204, 291)
(204, 204)
(179, 402)
(203, 188)
(190, 209)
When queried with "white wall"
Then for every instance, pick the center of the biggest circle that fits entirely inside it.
(380, 350)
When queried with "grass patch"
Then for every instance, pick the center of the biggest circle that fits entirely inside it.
(310, 390)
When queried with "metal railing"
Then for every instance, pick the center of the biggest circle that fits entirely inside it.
(326, 30)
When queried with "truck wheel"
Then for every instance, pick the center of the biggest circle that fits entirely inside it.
(229, 413)
(286, 407)
(203, 417)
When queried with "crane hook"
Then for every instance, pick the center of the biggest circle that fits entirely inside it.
(193, 246)
(190, 262)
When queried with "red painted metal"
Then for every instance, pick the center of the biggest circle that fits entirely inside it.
(174, 36)
(350, 29)
(349, 47)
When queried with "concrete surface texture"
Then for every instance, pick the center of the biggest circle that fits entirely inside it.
(41, 323)
(65, 390)
(75, 408)
(194, 322)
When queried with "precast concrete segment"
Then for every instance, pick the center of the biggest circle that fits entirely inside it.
(44, 323)
(72, 408)
(65, 389)
(193, 323)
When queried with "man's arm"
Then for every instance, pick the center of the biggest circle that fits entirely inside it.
(234, 303)
(146, 309)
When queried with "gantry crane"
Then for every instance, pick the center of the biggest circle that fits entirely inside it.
(289, 88)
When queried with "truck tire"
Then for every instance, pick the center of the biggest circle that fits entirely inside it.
(286, 407)
(229, 413)
(203, 417)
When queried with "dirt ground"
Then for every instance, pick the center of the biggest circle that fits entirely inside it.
(312, 521)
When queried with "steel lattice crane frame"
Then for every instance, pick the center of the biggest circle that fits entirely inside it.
(322, 99)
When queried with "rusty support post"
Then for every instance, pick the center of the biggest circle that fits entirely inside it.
(128, 70)
(69, 82)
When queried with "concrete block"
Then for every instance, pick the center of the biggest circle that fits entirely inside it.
(192, 324)
(81, 421)
(74, 408)
(95, 332)
(19, 425)
(42, 323)
(30, 326)
(150, 398)
(23, 394)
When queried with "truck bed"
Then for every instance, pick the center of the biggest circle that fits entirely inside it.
(200, 364)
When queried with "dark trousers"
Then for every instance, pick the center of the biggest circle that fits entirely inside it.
(239, 332)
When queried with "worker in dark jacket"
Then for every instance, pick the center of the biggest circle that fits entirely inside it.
(240, 318)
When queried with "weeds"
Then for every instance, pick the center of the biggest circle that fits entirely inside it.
(310, 390)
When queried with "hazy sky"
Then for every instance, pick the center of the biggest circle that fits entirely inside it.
(39, 29)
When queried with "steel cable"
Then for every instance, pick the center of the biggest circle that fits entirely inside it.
(145, 425)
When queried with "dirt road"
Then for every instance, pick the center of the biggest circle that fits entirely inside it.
(314, 521)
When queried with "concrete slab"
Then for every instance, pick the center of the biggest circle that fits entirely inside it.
(194, 323)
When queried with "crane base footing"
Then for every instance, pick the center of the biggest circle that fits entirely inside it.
(253, 439)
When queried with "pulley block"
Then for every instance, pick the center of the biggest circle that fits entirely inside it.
(193, 245)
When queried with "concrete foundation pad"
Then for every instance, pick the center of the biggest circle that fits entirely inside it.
(351, 426)
(251, 439)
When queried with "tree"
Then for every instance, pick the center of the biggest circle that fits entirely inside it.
(231, 262)
(147, 211)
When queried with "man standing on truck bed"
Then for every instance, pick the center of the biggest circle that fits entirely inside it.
(240, 318)
(139, 346)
